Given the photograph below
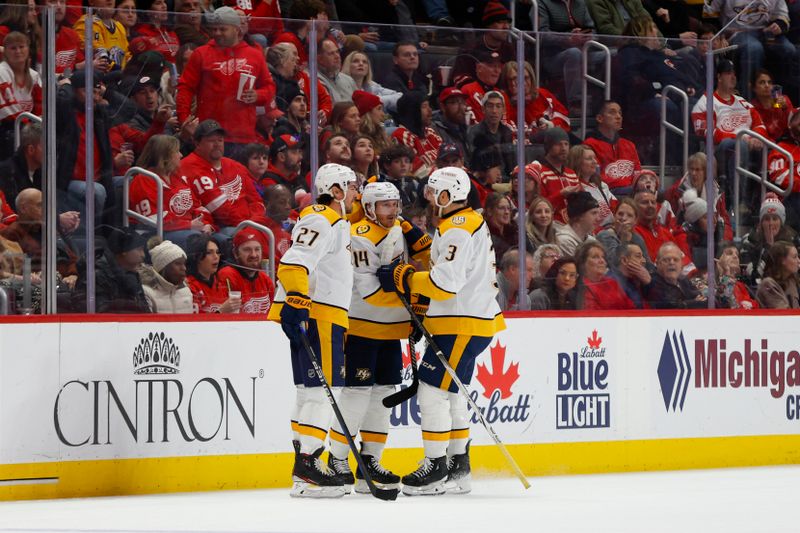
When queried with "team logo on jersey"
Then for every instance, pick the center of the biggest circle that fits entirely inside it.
(257, 306)
(732, 122)
(621, 168)
(363, 374)
(233, 188)
(459, 220)
(181, 202)
(230, 66)
(361, 230)
(318, 208)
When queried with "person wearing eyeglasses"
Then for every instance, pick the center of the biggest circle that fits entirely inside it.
(670, 288)
(557, 292)
(202, 264)
(508, 280)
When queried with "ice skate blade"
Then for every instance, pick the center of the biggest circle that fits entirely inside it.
(432, 489)
(303, 489)
(362, 488)
(459, 486)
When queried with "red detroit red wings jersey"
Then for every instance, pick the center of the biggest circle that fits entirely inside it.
(552, 184)
(228, 193)
(207, 298)
(257, 294)
(778, 166)
(181, 205)
(619, 161)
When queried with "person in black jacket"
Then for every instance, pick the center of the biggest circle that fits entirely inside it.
(669, 289)
(406, 75)
(71, 175)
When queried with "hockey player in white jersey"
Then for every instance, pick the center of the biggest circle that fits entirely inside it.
(378, 321)
(314, 287)
(463, 317)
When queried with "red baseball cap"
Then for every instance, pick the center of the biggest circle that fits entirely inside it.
(451, 92)
(249, 234)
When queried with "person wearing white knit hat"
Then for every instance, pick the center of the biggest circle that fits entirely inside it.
(771, 228)
(694, 207)
(164, 280)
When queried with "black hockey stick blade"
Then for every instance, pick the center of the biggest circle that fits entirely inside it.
(381, 494)
(409, 392)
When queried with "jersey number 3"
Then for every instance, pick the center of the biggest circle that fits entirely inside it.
(451, 252)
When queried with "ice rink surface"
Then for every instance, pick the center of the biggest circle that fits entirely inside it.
(731, 500)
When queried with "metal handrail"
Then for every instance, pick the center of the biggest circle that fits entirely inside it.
(128, 212)
(586, 78)
(762, 178)
(18, 125)
(665, 125)
(271, 236)
(534, 16)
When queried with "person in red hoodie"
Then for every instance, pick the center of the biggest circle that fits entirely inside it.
(223, 185)
(246, 275)
(618, 158)
(213, 76)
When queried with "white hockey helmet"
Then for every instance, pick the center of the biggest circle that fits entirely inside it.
(332, 174)
(375, 192)
(451, 179)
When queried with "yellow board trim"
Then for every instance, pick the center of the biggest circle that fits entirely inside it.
(253, 471)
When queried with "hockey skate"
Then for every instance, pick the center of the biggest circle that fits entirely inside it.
(459, 476)
(341, 467)
(313, 480)
(428, 479)
(383, 479)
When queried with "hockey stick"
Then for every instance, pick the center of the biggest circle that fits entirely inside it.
(387, 252)
(403, 395)
(463, 390)
(381, 494)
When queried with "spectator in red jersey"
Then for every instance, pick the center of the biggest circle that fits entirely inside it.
(69, 54)
(541, 229)
(487, 71)
(556, 179)
(184, 216)
(406, 76)
(731, 114)
(246, 275)
(492, 134)
(542, 109)
(583, 160)
(223, 185)
(278, 200)
(152, 32)
(285, 159)
(656, 234)
(414, 114)
(164, 280)
(597, 291)
(582, 213)
(20, 88)
(189, 23)
(779, 288)
(208, 294)
(647, 180)
(618, 158)
(217, 89)
(779, 173)
(772, 105)
(263, 17)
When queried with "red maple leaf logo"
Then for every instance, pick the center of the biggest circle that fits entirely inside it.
(497, 379)
(594, 341)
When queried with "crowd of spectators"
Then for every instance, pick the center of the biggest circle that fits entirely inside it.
(214, 98)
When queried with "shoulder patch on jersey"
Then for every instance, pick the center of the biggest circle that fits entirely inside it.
(319, 209)
(370, 231)
(362, 229)
(466, 219)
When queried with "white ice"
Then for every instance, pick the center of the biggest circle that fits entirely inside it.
(729, 500)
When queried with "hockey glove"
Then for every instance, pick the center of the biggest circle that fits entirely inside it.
(416, 239)
(396, 277)
(294, 313)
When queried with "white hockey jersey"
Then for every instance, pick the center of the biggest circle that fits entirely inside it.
(318, 264)
(462, 282)
(375, 313)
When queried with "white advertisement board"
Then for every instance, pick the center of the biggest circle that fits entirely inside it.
(108, 390)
